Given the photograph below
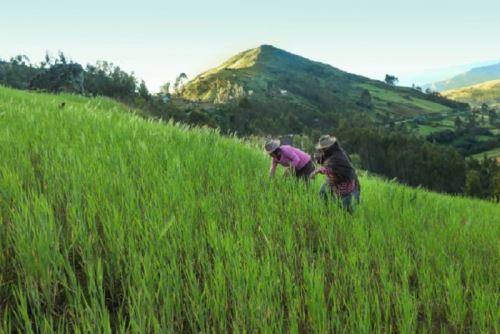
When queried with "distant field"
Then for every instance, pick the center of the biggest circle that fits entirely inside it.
(113, 224)
(387, 95)
(487, 92)
(490, 154)
(425, 130)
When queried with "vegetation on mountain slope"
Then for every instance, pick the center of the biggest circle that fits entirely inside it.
(266, 81)
(472, 77)
(487, 92)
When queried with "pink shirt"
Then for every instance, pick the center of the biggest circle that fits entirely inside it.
(290, 156)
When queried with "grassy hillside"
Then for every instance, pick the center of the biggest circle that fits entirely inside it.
(472, 77)
(276, 84)
(494, 153)
(112, 223)
(486, 92)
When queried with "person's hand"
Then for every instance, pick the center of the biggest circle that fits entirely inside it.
(313, 175)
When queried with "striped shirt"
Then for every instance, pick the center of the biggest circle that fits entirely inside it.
(340, 188)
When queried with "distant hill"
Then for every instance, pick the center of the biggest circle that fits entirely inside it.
(474, 76)
(272, 80)
(487, 92)
(422, 78)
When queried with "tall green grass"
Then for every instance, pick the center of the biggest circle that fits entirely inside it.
(109, 223)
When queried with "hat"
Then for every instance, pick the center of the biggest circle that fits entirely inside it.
(271, 145)
(325, 142)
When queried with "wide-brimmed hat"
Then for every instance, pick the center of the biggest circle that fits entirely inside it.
(325, 142)
(272, 145)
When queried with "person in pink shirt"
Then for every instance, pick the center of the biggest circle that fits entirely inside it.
(296, 161)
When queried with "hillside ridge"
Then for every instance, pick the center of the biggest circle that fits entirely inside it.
(474, 76)
(279, 84)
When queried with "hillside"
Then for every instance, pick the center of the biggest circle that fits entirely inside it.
(271, 81)
(111, 223)
(487, 92)
(472, 77)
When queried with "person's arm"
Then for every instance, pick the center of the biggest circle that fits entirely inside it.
(273, 168)
(319, 170)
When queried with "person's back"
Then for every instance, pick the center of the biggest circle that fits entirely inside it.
(289, 155)
(341, 179)
(338, 161)
(294, 159)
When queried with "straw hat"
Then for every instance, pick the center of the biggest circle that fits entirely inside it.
(325, 142)
(271, 145)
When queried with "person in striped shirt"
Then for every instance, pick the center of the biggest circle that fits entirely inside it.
(296, 161)
(341, 179)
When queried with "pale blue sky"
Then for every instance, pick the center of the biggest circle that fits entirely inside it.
(159, 39)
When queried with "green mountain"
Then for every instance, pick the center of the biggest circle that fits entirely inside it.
(287, 87)
(474, 76)
(487, 92)
(111, 223)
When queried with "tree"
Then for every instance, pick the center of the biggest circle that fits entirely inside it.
(365, 99)
(165, 89)
(179, 83)
(473, 183)
(493, 116)
(245, 103)
(62, 58)
(294, 124)
(391, 79)
(60, 78)
(47, 60)
(143, 91)
(20, 60)
(458, 123)
(199, 117)
(495, 187)
(484, 108)
(104, 78)
(471, 121)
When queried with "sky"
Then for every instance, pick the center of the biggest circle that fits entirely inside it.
(157, 40)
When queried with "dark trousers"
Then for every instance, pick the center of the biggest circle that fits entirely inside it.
(346, 201)
(304, 172)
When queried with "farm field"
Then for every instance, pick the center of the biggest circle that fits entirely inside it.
(490, 154)
(486, 92)
(111, 223)
(446, 122)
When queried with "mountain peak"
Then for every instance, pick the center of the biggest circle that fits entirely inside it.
(268, 47)
(277, 84)
(250, 58)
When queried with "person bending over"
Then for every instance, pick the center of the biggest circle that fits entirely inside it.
(342, 182)
(296, 161)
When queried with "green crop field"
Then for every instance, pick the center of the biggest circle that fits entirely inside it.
(387, 95)
(110, 223)
(494, 153)
(486, 92)
(425, 130)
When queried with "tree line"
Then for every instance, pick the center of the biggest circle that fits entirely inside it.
(61, 74)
